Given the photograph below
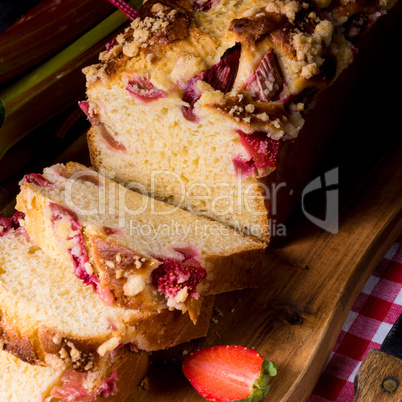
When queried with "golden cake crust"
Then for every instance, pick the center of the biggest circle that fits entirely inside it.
(48, 346)
(169, 35)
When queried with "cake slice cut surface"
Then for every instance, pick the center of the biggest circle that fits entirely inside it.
(134, 251)
(48, 317)
(22, 381)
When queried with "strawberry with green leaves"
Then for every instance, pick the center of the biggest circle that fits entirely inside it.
(229, 373)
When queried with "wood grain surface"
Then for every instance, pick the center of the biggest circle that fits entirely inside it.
(378, 371)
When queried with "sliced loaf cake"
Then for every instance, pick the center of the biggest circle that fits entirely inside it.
(20, 381)
(138, 253)
(48, 317)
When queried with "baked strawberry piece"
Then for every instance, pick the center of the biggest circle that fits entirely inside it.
(229, 373)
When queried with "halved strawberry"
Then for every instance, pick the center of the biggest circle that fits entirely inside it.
(229, 373)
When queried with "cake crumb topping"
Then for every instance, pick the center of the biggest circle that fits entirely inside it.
(108, 346)
(288, 7)
(288, 50)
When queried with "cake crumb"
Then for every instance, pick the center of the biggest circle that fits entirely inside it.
(144, 384)
(63, 353)
(108, 346)
(250, 108)
(88, 268)
(74, 352)
(218, 311)
(57, 339)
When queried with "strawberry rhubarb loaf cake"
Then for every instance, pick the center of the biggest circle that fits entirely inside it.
(197, 100)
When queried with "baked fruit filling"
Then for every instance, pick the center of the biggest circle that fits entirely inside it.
(357, 17)
(38, 179)
(262, 150)
(107, 137)
(267, 81)
(143, 90)
(203, 5)
(178, 279)
(7, 225)
(220, 76)
(74, 387)
(65, 221)
(120, 273)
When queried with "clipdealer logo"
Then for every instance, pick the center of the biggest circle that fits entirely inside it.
(219, 199)
(329, 183)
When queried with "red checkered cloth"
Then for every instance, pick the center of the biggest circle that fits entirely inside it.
(372, 316)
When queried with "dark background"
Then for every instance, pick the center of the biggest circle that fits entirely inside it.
(12, 10)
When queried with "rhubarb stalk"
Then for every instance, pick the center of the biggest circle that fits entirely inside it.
(45, 92)
(43, 31)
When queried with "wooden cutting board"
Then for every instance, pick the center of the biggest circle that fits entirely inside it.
(308, 286)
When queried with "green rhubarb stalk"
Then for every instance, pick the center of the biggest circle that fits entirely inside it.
(22, 92)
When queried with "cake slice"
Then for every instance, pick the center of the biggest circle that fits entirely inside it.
(196, 100)
(136, 252)
(48, 317)
(20, 381)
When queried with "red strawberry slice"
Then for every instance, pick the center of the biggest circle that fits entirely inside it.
(38, 179)
(229, 373)
(12, 223)
(222, 75)
(267, 82)
(142, 89)
(262, 149)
